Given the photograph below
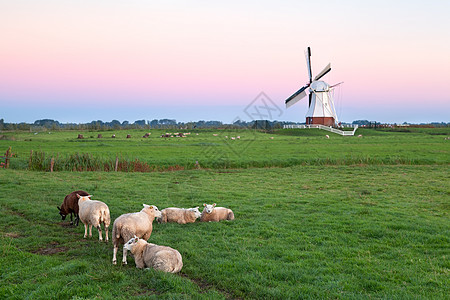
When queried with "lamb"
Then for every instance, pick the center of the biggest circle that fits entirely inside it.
(94, 213)
(211, 213)
(70, 205)
(147, 255)
(133, 224)
(179, 215)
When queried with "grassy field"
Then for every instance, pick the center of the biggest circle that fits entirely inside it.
(314, 229)
(281, 148)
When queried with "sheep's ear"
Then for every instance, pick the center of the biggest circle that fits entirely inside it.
(90, 196)
(204, 204)
(214, 205)
(78, 196)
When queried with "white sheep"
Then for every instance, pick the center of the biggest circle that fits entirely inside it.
(327, 136)
(93, 213)
(147, 255)
(179, 215)
(133, 224)
(211, 213)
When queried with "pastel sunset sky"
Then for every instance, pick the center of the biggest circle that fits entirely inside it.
(79, 61)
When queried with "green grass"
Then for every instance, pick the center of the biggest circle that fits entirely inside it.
(419, 146)
(344, 217)
(300, 232)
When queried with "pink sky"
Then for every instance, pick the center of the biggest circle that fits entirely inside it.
(58, 55)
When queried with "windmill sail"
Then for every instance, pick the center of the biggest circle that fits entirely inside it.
(308, 63)
(297, 96)
(324, 71)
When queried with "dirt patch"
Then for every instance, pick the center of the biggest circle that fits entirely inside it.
(204, 286)
(51, 249)
(12, 235)
(65, 224)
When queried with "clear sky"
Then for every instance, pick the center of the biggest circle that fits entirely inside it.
(79, 60)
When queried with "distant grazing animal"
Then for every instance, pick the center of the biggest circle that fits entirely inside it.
(327, 136)
(360, 135)
(70, 206)
(80, 136)
(147, 255)
(128, 136)
(99, 136)
(94, 213)
(133, 224)
(211, 213)
(146, 135)
(179, 215)
(113, 136)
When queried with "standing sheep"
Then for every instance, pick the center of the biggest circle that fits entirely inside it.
(179, 215)
(211, 213)
(147, 255)
(70, 205)
(133, 224)
(94, 213)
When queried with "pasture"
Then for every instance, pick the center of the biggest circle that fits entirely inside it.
(344, 217)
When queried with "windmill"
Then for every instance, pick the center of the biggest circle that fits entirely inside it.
(321, 107)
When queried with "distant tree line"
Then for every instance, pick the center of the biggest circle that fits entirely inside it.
(53, 125)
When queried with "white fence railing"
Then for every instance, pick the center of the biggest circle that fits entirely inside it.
(327, 128)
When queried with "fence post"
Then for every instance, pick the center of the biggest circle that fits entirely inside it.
(52, 162)
(30, 163)
(117, 163)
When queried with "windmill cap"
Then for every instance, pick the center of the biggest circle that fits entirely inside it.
(320, 86)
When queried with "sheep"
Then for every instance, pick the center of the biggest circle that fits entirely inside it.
(128, 136)
(70, 205)
(327, 136)
(211, 213)
(94, 213)
(128, 225)
(80, 136)
(179, 215)
(148, 255)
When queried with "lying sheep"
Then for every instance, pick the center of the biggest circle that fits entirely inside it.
(133, 224)
(70, 205)
(211, 213)
(147, 255)
(179, 215)
(94, 213)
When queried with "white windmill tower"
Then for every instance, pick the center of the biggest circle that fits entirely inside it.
(321, 107)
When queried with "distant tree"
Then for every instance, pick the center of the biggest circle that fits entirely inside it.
(140, 123)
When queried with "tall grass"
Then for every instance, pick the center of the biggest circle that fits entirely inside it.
(40, 161)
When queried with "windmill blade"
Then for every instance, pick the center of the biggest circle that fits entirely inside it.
(310, 99)
(334, 85)
(308, 63)
(297, 96)
(324, 71)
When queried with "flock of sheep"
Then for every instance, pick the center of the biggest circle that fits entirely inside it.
(134, 229)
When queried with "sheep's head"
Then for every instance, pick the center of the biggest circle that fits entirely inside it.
(208, 208)
(197, 213)
(153, 209)
(130, 244)
(61, 213)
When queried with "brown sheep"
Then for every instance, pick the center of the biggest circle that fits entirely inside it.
(70, 205)
(211, 213)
